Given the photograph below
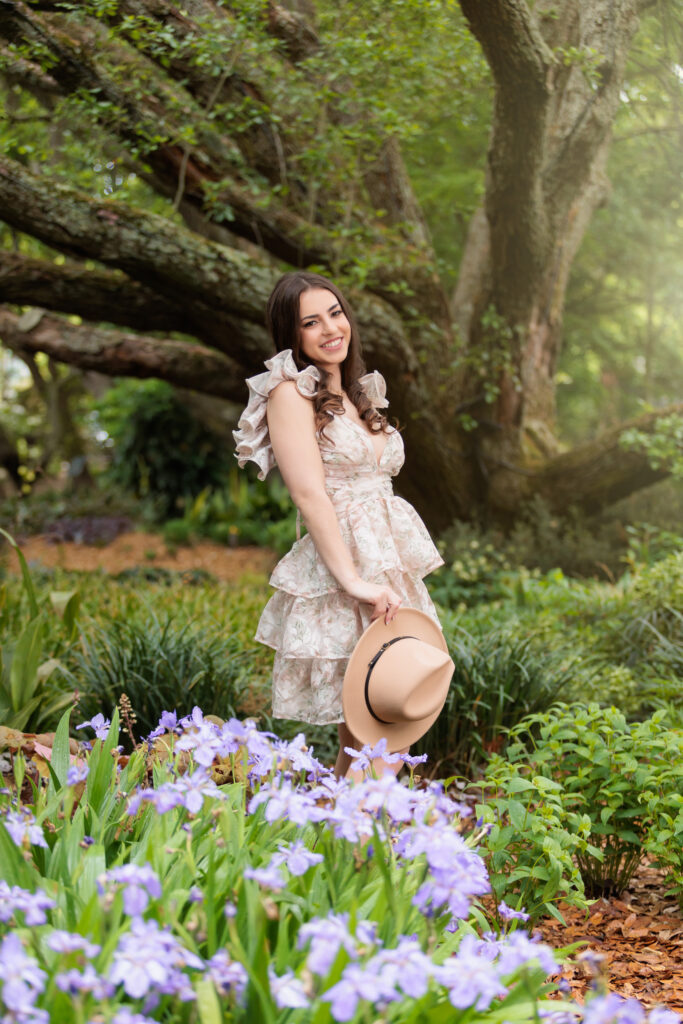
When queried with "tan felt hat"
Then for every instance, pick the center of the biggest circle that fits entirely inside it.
(396, 680)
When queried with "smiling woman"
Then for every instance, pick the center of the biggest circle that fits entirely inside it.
(317, 415)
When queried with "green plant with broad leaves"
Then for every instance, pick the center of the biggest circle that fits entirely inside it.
(244, 511)
(29, 699)
(623, 778)
(532, 841)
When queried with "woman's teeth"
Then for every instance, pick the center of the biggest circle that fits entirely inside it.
(333, 344)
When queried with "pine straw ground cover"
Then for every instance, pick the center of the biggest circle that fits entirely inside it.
(220, 874)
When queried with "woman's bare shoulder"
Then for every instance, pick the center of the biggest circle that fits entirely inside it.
(286, 396)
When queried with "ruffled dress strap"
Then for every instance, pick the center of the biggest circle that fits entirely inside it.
(375, 387)
(252, 440)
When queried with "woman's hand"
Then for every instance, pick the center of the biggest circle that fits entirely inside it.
(384, 600)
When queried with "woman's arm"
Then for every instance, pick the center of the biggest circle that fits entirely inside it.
(291, 424)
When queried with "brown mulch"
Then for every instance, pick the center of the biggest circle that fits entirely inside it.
(637, 940)
(132, 550)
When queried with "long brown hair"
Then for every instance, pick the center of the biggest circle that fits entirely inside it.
(282, 319)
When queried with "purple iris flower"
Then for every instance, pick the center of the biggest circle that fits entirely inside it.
(472, 979)
(363, 758)
(414, 760)
(23, 829)
(299, 858)
(409, 968)
(22, 982)
(139, 884)
(660, 1015)
(88, 980)
(67, 942)
(31, 904)
(229, 976)
(508, 914)
(356, 983)
(285, 801)
(127, 1016)
(613, 1009)
(518, 949)
(327, 935)
(287, 991)
(77, 773)
(149, 960)
(270, 877)
(99, 724)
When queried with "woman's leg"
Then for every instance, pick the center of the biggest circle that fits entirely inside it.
(343, 765)
(346, 739)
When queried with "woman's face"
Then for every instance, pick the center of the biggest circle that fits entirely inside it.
(325, 331)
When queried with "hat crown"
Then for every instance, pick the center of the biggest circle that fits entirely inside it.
(406, 682)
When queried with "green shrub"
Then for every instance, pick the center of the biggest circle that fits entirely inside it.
(476, 570)
(621, 776)
(160, 665)
(244, 511)
(531, 841)
(499, 678)
(160, 450)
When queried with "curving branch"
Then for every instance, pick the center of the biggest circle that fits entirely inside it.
(214, 159)
(599, 472)
(171, 260)
(123, 355)
(89, 293)
(111, 296)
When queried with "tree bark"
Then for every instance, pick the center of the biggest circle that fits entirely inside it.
(123, 355)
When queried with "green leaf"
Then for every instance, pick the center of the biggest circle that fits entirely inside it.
(26, 656)
(60, 759)
(25, 574)
(66, 603)
(207, 1002)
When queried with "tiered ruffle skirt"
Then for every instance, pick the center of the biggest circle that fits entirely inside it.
(313, 625)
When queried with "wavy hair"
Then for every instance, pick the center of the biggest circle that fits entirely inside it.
(282, 320)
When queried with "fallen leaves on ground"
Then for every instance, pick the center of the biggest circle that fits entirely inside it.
(636, 940)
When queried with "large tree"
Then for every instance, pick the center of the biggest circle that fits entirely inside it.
(267, 131)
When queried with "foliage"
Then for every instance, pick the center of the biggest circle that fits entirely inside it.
(623, 778)
(499, 678)
(532, 838)
(663, 446)
(160, 451)
(159, 664)
(480, 571)
(255, 899)
(29, 697)
(246, 511)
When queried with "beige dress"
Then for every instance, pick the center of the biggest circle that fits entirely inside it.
(312, 624)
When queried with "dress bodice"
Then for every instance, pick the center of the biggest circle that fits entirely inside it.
(350, 463)
(353, 473)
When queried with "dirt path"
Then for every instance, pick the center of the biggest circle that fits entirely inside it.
(143, 549)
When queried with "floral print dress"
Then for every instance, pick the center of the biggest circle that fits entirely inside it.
(312, 623)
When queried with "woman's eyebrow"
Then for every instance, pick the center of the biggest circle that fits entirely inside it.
(311, 315)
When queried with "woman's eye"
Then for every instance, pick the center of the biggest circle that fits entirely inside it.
(337, 312)
(310, 323)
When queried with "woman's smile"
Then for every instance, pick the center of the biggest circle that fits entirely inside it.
(325, 330)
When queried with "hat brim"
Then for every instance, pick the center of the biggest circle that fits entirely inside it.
(365, 728)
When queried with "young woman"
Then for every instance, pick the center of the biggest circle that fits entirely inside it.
(317, 415)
